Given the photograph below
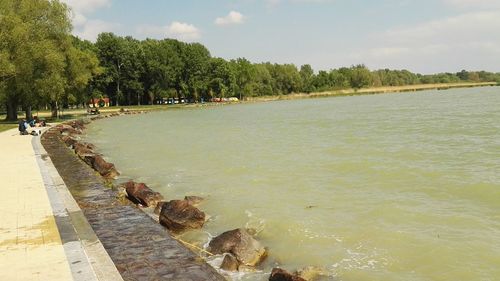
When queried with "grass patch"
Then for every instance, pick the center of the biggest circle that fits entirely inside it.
(4, 126)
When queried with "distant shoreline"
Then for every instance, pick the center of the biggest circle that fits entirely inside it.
(77, 113)
(372, 91)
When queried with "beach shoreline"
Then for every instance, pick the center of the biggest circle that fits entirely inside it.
(79, 113)
(373, 91)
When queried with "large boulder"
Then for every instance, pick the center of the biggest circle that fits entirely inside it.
(66, 129)
(77, 124)
(69, 140)
(179, 215)
(106, 169)
(85, 152)
(140, 193)
(88, 145)
(241, 244)
(278, 274)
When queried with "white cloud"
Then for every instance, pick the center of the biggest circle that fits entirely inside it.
(79, 8)
(92, 28)
(178, 30)
(84, 27)
(232, 18)
(183, 31)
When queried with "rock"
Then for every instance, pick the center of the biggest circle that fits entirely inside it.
(229, 263)
(246, 268)
(241, 244)
(310, 273)
(121, 192)
(140, 193)
(85, 152)
(193, 200)
(179, 215)
(77, 124)
(69, 141)
(158, 207)
(106, 169)
(83, 145)
(278, 274)
(68, 130)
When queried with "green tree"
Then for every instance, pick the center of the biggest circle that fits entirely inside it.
(38, 64)
(222, 79)
(307, 75)
(245, 73)
(360, 77)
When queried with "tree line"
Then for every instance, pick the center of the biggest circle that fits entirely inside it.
(43, 66)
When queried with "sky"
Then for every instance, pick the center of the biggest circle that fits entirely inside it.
(424, 36)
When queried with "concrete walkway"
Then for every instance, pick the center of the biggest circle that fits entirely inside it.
(41, 227)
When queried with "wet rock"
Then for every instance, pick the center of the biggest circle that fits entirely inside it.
(193, 200)
(229, 263)
(106, 169)
(241, 244)
(140, 193)
(83, 145)
(85, 152)
(77, 124)
(179, 215)
(278, 274)
(69, 141)
(121, 192)
(158, 207)
(68, 130)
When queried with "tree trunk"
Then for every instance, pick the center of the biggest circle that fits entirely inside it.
(11, 111)
(29, 114)
(53, 109)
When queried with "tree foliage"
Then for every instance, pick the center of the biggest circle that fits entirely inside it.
(38, 63)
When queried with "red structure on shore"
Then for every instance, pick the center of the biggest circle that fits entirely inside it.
(101, 102)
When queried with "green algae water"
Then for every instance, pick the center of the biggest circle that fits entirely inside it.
(380, 187)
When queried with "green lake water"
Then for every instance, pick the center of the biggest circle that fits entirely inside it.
(379, 187)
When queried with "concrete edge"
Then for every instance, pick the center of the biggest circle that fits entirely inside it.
(87, 258)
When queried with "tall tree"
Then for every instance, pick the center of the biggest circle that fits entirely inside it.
(307, 75)
(36, 55)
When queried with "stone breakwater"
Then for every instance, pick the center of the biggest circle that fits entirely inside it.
(122, 218)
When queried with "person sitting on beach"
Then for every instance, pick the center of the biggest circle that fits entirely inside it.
(25, 128)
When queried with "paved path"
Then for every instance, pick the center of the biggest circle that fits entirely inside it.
(30, 246)
(38, 238)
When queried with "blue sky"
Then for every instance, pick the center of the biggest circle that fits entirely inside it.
(425, 36)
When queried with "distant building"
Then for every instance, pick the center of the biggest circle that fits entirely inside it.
(101, 102)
